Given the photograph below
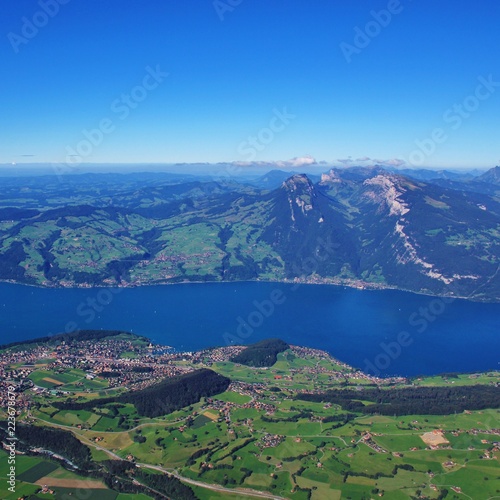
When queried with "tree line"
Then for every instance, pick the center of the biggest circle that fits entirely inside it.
(261, 354)
(412, 400)
(164, 397)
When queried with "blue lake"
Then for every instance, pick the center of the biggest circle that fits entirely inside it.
(383, 332)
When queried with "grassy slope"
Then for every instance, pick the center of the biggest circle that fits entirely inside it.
(293, 462)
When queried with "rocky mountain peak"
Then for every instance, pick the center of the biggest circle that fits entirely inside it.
(298, 182)
(492, 176)
(387, 190)
(300, 194)
(331, 177)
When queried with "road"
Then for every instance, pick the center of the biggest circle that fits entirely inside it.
(213, 487)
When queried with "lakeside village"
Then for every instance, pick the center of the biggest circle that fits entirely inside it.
(143, 365)
(130, 365)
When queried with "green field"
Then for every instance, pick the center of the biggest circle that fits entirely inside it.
(258, 435)
(35, 473)
(233, 397)
(50, 379)
(30, 469)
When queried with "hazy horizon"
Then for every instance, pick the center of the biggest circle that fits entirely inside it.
(222, 170)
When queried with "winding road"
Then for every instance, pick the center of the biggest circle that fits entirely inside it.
(213, 487)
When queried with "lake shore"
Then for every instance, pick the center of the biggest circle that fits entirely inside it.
(354, 284)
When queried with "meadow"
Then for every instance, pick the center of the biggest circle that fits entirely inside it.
(262, 438)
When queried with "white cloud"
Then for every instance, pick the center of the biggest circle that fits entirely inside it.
(346, 161)
(393, 162)
(299, 161)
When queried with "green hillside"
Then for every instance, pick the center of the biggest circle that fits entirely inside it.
(364, 227)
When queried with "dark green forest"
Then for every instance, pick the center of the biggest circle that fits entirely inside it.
(165, 397)
(261, 354)
(60, 442)
(412, 400)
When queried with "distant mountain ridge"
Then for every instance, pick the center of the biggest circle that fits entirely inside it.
(492, 176)
(360, 226)
(486, 183)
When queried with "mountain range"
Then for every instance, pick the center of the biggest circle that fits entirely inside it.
(359, 226)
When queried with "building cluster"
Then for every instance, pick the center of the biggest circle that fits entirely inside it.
(344, 372)
(269, 441)
(103, 359)
(368, 440)
(219, 354)
(21, 401)
(308, 352)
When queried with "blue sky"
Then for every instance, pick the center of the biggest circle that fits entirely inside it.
(250, 80)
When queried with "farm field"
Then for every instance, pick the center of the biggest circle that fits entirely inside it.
(66, 380)
(269, 430)
(293, 452)
(33, 472)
